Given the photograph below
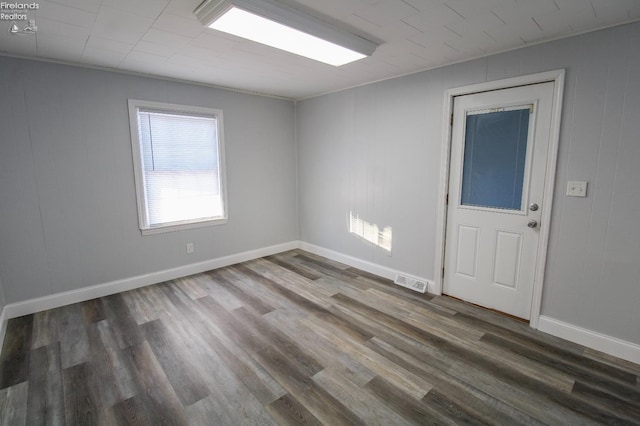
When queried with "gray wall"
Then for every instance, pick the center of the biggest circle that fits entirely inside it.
(68, 209)
(376, 150)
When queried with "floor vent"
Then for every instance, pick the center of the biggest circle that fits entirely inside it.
(411, 283)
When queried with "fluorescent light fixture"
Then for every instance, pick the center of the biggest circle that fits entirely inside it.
(256, 28)
(278, 25)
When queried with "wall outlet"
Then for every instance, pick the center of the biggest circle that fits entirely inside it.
(576, 188)
(189, 248)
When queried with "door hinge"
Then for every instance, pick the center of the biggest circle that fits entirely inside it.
(443, 272)
(451, 120)
(446, 200)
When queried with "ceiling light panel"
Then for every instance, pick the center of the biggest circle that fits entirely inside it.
(281, 26)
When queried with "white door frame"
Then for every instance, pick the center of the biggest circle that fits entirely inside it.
(557, 77)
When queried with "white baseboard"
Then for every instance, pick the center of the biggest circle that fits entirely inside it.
(57, 300)
(364, 265)
(601, 342)
(610, 345)
(594, 340)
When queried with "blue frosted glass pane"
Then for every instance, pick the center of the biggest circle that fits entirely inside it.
(495, 151)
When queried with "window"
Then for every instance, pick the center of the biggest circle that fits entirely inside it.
(178, 157)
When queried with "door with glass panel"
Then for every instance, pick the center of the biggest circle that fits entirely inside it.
(499, 153)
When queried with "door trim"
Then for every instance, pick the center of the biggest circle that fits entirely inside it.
(557, 77)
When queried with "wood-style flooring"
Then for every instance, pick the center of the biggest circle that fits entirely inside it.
(297, 339)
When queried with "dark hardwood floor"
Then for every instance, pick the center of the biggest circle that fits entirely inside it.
(298, 339)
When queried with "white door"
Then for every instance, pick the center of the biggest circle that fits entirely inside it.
(499, 153)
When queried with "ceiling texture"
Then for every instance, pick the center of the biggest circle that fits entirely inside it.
(163, 38)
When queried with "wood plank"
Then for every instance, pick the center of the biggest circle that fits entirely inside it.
(626, 408)
(224, 279)
(410, 344)
(466, 348)
(543, 344)
(155, 393)
(209, 411)
(225, 385)
(465, 356)
(365, 405)
(239, 403)
(618, 384)
(97, 373)
(450, 409)
(286, 410)
(531, 400)
(321, 403)
(248, 285)
(13, 405)
(93, 311)
(477, 313)
(14, 360)
(131, 411)
(142, 308)
(333, 285)
(186, 308)
(74, 343)
(290, 263)
(292, 297)
(390, 326)
(45, 401)
(480, 405)
(320, 261)
(257, 380)
(110, 374)
(263, 343)
(80, 405)
(123, 324)
(45, 332)
(176, 363)
(192, 286)
(248, 338)
(613, 361)
(405, 406)
(305, 361)
(292, 281)
(289, 323)
(405, 380)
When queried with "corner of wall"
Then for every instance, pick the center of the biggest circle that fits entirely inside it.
(372, 268)
(295, 144)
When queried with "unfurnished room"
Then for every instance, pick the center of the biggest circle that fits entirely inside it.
(289, 212)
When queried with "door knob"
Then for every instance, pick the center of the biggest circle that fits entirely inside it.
(533, 207)
(532, 223)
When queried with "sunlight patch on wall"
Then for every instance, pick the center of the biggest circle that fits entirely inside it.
(370, 232)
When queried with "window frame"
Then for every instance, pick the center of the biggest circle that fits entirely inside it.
(138, 167)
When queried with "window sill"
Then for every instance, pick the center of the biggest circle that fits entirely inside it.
(181, 226)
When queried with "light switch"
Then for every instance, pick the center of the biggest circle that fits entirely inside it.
(576, 188)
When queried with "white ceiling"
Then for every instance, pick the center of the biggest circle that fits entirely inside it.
(163, 38)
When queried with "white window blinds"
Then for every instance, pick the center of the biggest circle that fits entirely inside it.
(180, 167)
